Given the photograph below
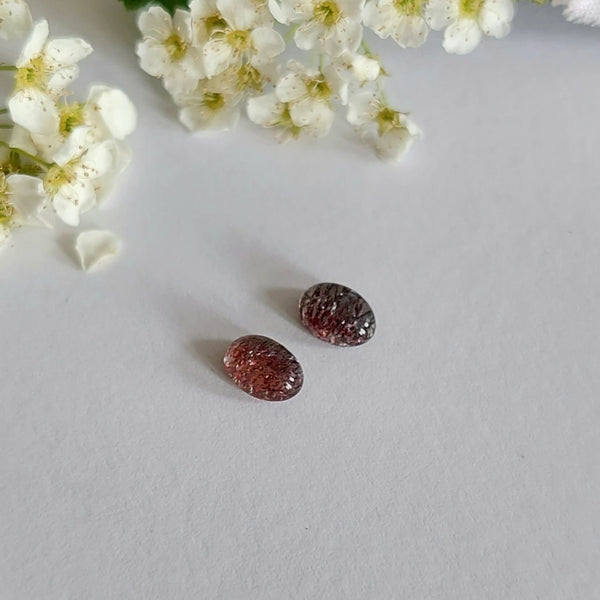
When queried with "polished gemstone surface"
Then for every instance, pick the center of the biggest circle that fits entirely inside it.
(336, 314)
(263, 368)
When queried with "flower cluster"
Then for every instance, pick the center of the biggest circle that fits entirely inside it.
(220, 56)
(55, 151)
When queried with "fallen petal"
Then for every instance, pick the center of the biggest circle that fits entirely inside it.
(94, 246)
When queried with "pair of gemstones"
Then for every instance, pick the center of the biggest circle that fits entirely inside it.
(267, 370)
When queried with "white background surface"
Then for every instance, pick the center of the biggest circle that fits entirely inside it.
(454, 456)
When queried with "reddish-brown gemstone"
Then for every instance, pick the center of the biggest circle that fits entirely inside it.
(263, 368)
(337, 314)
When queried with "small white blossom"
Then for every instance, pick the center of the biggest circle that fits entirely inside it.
(308, 95)
(213, 105)
(390, 132)
(403, 20)
(208, 19)
(331, 25)
(465, 21)
(44, 68)
(236, 33)
(108, 113)
(168, 49)
(70, 182)
(95, 246)
(359, 67)
(15, 19)
(269, 111)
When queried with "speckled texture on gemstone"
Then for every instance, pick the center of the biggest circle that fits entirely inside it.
(336, 314)
(263, 368)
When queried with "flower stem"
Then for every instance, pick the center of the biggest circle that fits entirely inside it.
(289, 34)
(39, 161)
(8, 68)
(3, 111)
(6, 126)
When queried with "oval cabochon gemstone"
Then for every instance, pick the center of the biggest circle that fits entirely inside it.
(263, 368)
(336, 314)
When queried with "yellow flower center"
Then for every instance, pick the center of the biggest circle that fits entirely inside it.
(214, 100)
(176, 47)
(240, 40)
(387, 119)
(409, 7)
(327, 13)
(318, 88)
(71, 116)
(249, 78)
(33, 74)
(215, 23)
(470, 8)
(286, 122)
(57, 177)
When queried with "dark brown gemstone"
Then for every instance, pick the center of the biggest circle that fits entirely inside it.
(337, 314)
(263, 368)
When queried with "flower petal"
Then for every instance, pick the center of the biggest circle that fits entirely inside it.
(290, 87)
(94, 246)
(115, 110)
(34, 110)
(64, 52)
(15, 19)
(74, 146)
(267, 42)
(309, 34)
(411, 32)
(365, 68)
(240, 14)
(441, 13)
(362, 108)
(380, 17)
(65, 207)
(344, 37)
(462, 36)
(27, 196)
(155, 23)
(265, 110)
(35, 44)
(496, 16)
(62, 78)
(218, 55)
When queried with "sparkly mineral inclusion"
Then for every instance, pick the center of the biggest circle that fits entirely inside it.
(263, 368)
(337, 314)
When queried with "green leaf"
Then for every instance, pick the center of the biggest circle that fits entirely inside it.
(169, 5)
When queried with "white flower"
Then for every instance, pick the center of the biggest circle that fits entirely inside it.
(465, 21)
(213, 105)
(44, 69)
(359, 66)
(308, 94)
(107, 112)
(586, 12)
(167, 49)
(78, 164)
(237, 31)
(269, 111)
(401, 19)
(15, 19)
(390, 132)
(95, 246)
(333, 25)
(208, 19)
